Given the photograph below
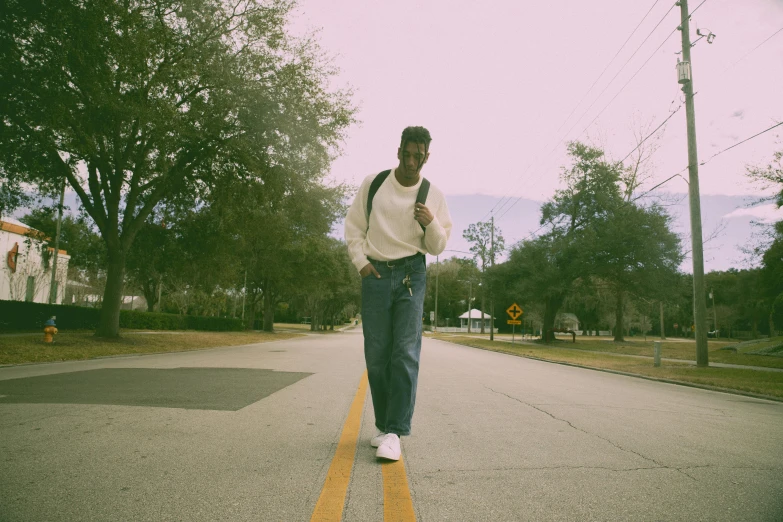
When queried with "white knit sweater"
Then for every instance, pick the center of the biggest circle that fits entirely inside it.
(393, 232)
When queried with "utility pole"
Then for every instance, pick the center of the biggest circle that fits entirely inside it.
(437, 262)
(470, 296)
(491, 293)
(53, 284)
(697, 250)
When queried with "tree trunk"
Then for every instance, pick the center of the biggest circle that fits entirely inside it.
(551, 306)
(772, 331)
(618, 327)
(151, 294)
(109, 325)
(755, 330)
(483, 307)
(269, 310)
(250, 316)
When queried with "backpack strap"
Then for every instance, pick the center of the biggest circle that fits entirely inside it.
(421, 196)
(374, 186)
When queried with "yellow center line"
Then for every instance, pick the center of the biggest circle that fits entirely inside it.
(397, 502)
(331, 503)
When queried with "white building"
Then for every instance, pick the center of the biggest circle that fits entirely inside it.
(476, 317)
(26, 272)
(566, 321)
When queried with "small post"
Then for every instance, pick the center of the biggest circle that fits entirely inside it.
(657, 354)
(663, 326)
(513, 327)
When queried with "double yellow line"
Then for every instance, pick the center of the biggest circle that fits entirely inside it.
(397, 503)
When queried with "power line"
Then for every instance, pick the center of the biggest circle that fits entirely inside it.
(509, 198)
(609, 64)
(621, 69)
(707, 161)
(629, 81)
(697, 8)
(652, 133)
(740, 143)
(659, 184)
(631, 152)
(598, 97)
(752, 50)
(503, 203)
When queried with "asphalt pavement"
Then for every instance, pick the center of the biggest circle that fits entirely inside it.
(249, 433)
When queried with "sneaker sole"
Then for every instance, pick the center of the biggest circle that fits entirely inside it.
(387, 456)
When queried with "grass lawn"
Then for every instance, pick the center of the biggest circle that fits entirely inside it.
(587, 354)
(70, 346)
(681, 350)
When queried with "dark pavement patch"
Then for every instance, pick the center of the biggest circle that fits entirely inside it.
(228, 389)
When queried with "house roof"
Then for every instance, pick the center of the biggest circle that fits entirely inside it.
(17, 227)
(475, 314)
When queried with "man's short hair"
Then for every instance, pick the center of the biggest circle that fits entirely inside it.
(416, 135)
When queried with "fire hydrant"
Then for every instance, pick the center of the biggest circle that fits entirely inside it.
(50, 330)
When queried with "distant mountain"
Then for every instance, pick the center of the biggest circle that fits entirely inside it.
(721, 252)
(732, 228)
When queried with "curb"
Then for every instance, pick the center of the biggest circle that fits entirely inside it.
(119, 355)
(627, 374)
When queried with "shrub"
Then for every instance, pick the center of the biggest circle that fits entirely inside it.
(20, 315)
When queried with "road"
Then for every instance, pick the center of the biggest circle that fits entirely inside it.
(216, 435)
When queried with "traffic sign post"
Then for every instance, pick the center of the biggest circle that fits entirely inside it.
(514, 311)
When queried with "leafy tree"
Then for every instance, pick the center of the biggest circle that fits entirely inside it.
(588, 300)
(635, 251)
(270, 230)
(327, 282)
(771, 279)
(12, 194)
(451, 277)
(537, 271)
(152, 101)
(77, 236)
(155, 256)
(590, 196)
(770, 177)
(485, 251)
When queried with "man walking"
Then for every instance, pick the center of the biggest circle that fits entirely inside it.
(396, 218)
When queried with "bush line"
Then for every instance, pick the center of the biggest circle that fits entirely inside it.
(19, 316)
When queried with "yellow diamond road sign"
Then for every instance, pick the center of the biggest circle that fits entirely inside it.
(514, 311)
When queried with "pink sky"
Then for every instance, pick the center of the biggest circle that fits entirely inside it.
(493, 82)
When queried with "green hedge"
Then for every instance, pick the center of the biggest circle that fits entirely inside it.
(19, 315)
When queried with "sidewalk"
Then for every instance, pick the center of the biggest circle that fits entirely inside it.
(650, 357)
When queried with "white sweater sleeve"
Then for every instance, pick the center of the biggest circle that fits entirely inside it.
(439, 230)
(356, 225)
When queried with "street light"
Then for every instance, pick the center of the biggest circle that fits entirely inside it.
(470, 293)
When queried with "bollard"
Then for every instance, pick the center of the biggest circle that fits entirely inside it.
(657, 354)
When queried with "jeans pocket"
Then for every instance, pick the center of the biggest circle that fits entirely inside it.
(419, 267)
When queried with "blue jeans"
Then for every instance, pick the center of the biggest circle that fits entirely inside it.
(392, 320)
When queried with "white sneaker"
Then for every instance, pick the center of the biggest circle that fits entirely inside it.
(389, 448)
(376, 441)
